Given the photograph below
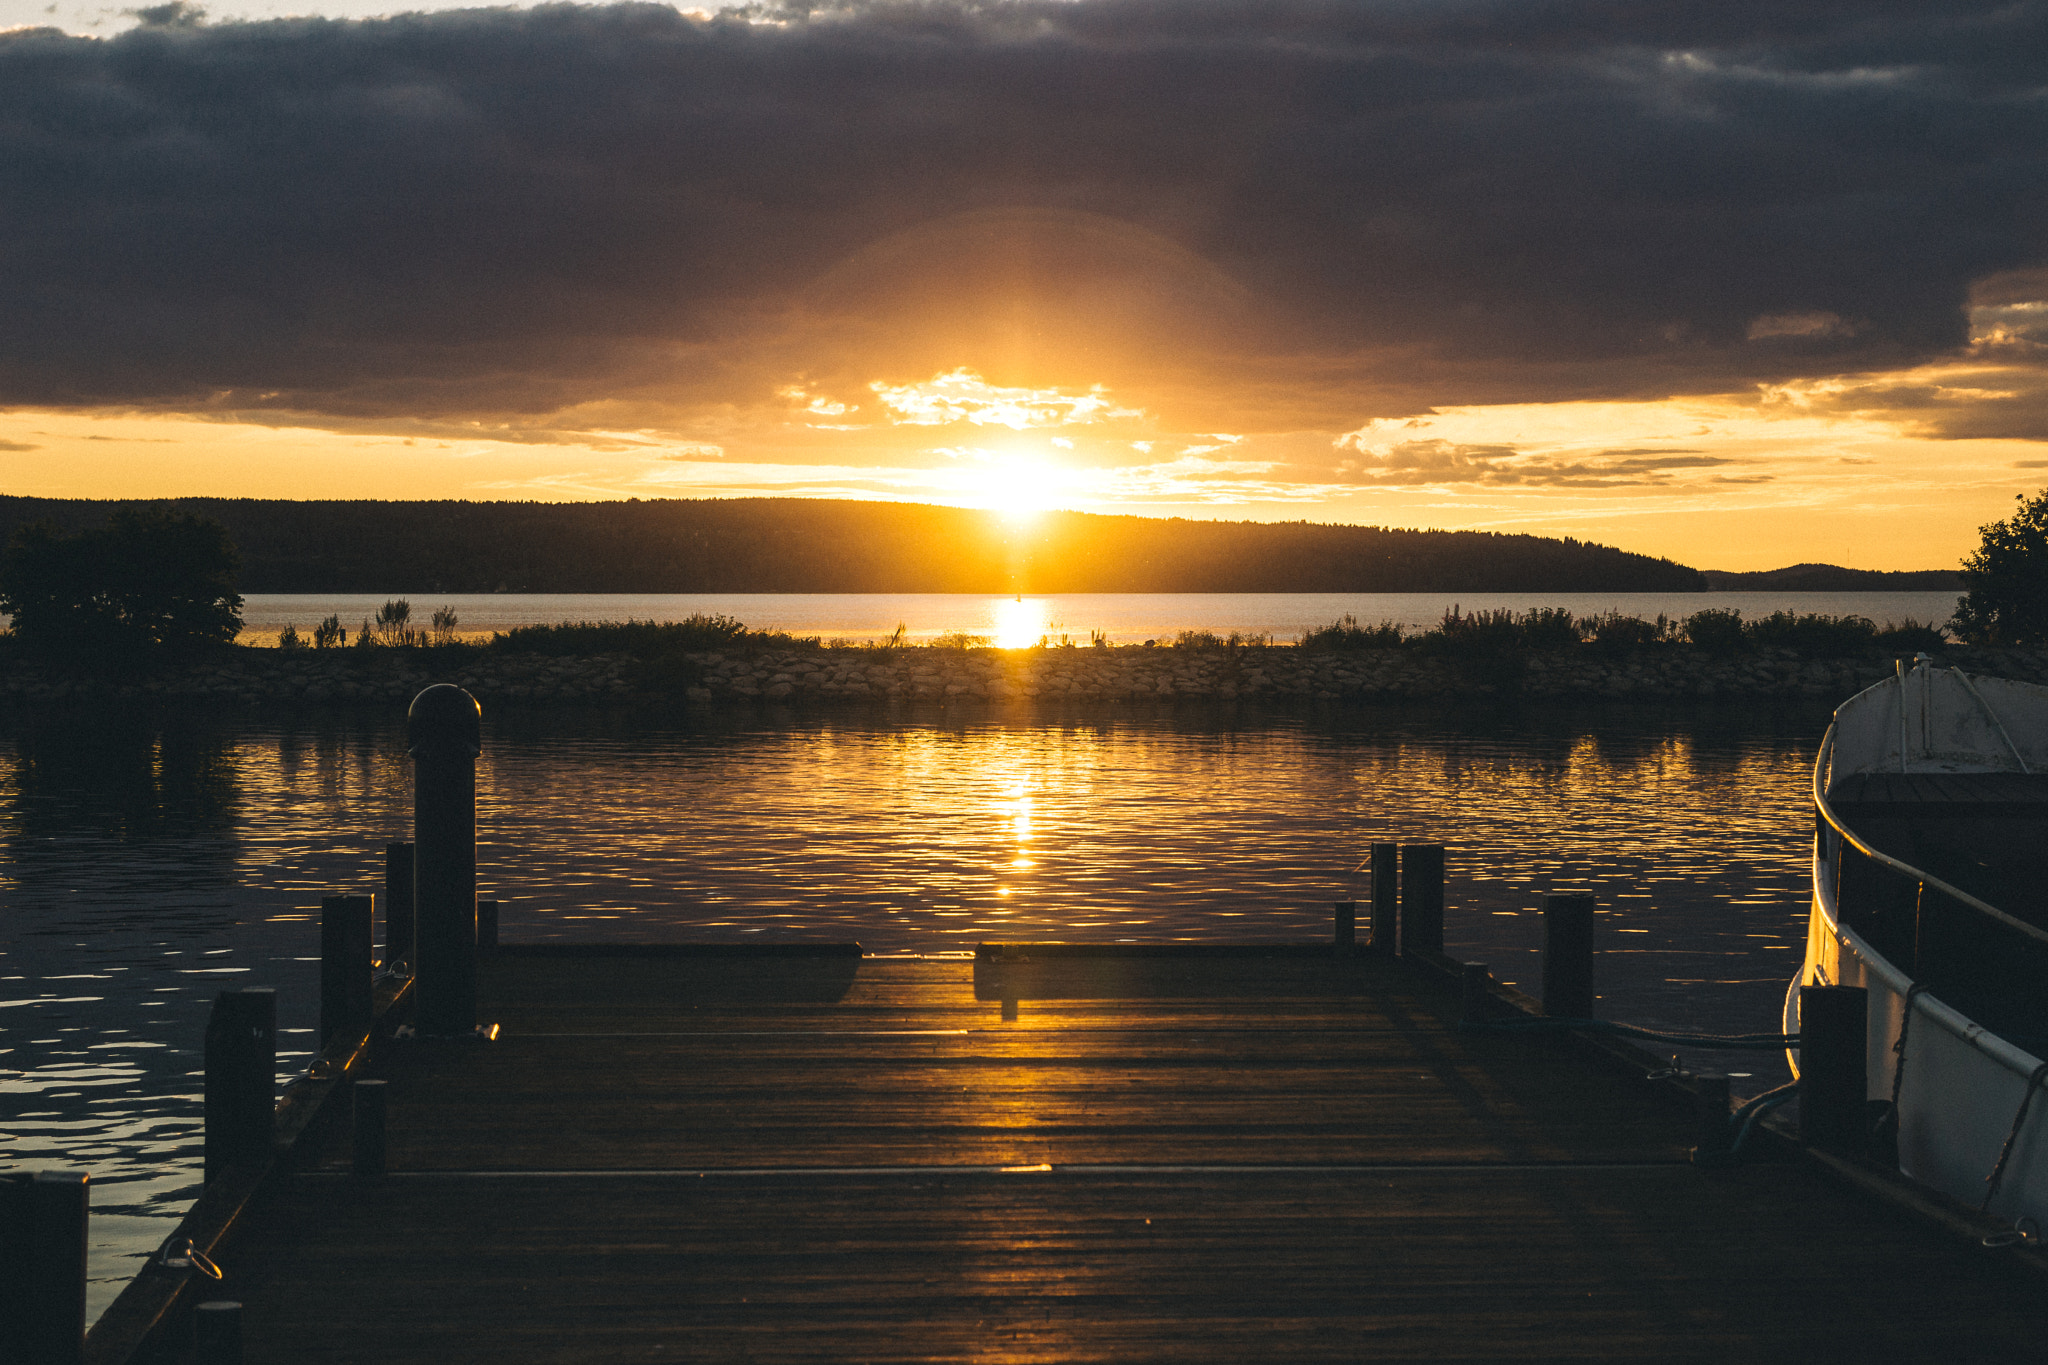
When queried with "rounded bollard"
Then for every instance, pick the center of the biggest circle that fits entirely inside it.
(217, 1332)
(44, 1218)
(444, 732)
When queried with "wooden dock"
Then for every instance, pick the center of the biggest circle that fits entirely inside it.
(669, 1157)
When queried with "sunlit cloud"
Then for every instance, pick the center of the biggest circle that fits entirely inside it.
(964, 396)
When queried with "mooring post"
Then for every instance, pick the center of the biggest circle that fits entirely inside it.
(1386, 903)
(241, 1077)
(368, 1144)
(345, 972)
(1475, 993)
(444, 730)
(1346, 922)
(1568, 955)
(1833, 1065)
(399, 915)
(1422, 897)
(43, 1230)
(486, 926)
(1710, 1112)
(217, 1332)
(13, 1253)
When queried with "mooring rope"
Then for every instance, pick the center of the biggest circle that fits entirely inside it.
(1731, 1042)
(1891, 1114)
(2012, 1138)
(1751, 1114)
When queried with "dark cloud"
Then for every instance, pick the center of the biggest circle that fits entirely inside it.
(17, 446)
(1408, 464)
(1233, 211)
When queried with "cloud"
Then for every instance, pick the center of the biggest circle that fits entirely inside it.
(964, 396)
(1407, 464)
(1245, 214)
(18, 445)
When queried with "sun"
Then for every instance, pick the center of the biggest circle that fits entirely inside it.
(1015, 485)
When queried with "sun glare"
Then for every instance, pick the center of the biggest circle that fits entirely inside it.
(1020, 624)
(1012, 484)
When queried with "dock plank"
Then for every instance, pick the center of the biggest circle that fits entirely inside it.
(1432, 1265)
(1231, 1162)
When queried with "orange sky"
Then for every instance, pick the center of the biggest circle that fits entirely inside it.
(1739, 286)
(1789, 483)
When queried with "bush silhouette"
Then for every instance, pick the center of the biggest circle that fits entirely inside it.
(147, 583)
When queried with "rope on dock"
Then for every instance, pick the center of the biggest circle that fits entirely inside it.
(1731, 1042)
(1751, 1114)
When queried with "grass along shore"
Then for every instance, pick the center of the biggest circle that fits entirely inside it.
(1713, 654)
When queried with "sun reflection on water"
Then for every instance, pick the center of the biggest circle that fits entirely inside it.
(1021, 623)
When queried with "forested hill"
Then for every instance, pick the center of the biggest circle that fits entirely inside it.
(1834, 578)
(802, 545)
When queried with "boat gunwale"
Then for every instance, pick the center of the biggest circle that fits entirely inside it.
(1822, 766)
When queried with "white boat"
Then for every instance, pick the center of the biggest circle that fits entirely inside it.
(1930, 890)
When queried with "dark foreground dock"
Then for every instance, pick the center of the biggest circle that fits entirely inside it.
(677, 1158)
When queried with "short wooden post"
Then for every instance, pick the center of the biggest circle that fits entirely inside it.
(1710, 1114)
(345, 973)
(1833, 1065)
(1386, 903)
(14, 1306)
(43, 1219)
(1475, 993)
(1346, 922)
(399, 916)
(444, 729)
(241, 1077)
(370, 1153)
(1422, 897)
(217, 1333)
(1568, 955)
(486, 926)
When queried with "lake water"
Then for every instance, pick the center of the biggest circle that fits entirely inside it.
(152, 861)
(1122, 618)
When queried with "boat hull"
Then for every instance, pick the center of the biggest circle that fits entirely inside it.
(1962, 1091)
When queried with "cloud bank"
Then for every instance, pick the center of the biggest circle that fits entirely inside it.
(1252, 214)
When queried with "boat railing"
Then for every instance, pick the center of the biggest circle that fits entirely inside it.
(1961, 947)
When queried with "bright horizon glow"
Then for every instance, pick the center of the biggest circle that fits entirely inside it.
(1735, 481)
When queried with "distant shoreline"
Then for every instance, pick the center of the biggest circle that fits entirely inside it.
(1014, 619)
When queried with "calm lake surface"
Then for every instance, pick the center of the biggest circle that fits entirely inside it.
(154, 860)
(1122, 618)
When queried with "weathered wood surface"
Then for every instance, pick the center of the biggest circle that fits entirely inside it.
(1330, 1170)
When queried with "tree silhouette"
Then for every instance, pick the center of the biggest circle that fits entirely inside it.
(148, 582)
(2007, 580)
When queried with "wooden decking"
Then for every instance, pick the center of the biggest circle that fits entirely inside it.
(672, 1159)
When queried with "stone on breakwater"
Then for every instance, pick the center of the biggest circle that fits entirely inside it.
(820, 676)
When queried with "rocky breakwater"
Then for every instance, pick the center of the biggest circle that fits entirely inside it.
(336, 677)
(812, 676)
(1285, 671)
